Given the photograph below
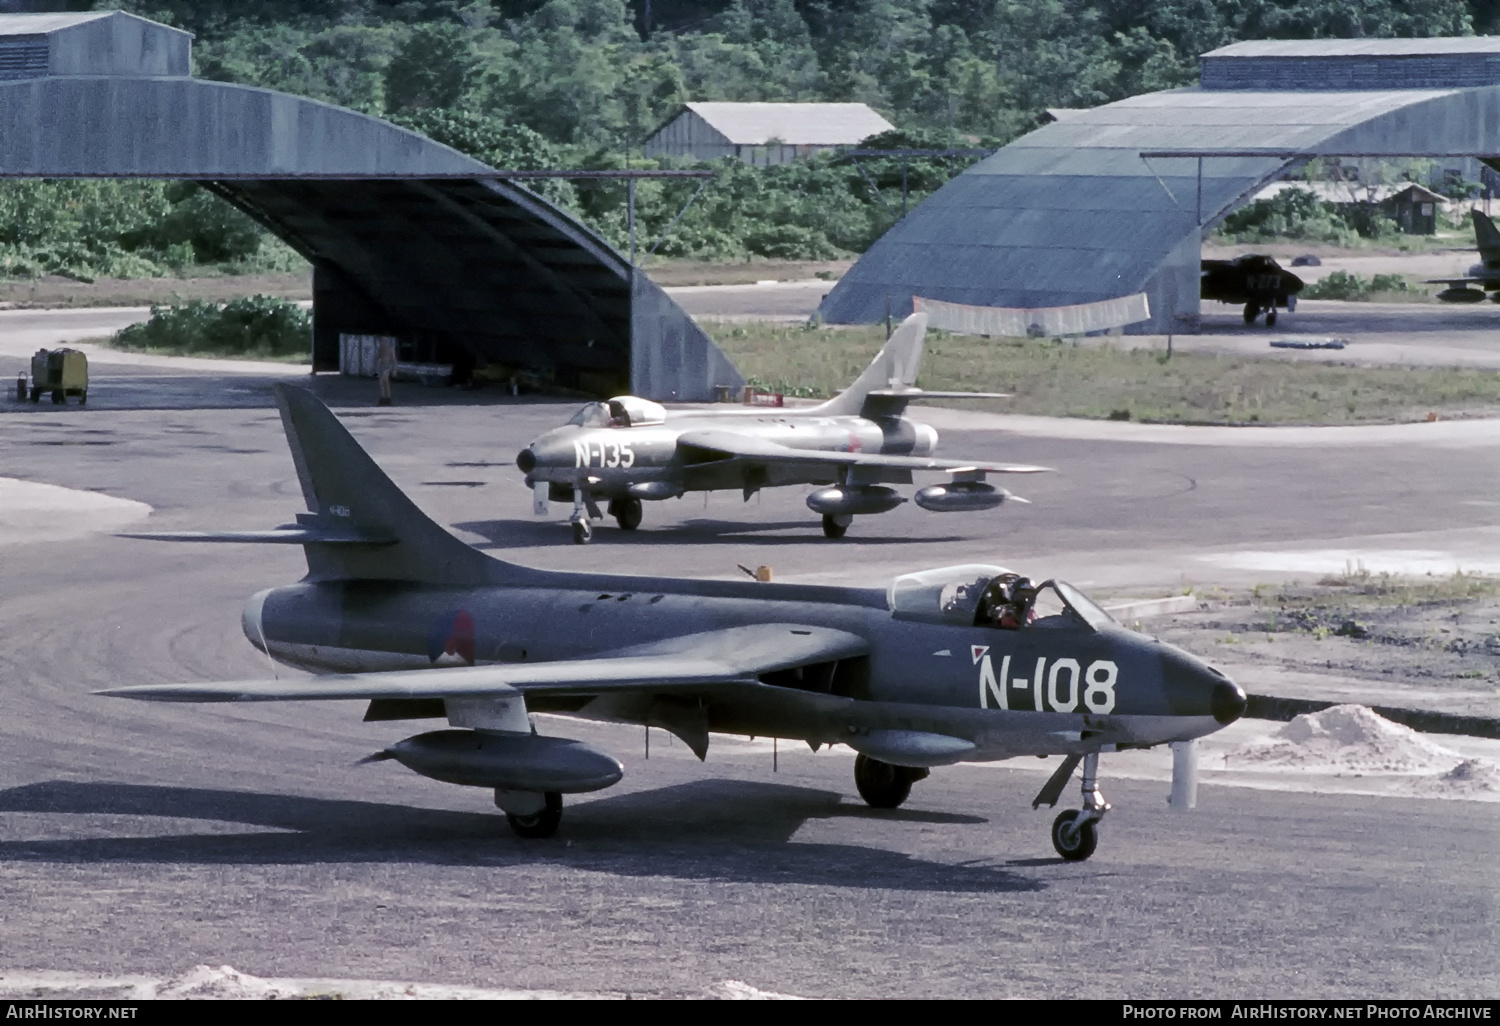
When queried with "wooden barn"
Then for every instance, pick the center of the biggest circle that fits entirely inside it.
(762, 133)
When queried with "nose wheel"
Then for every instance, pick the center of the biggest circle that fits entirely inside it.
(584, 511)
(1075, 833)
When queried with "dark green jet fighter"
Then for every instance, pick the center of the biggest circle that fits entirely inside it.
(964, 663)
(856, 444)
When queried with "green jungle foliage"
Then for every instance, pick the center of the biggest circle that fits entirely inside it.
(255, 326)
(1298, 214)
(580, 83)
(1343, 285)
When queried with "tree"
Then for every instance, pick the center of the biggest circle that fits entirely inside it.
(435, 67)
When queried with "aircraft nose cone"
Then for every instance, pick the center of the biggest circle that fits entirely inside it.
(526, 461)
(1228, 702)
(1194, 688)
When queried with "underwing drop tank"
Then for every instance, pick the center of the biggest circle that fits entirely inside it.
(518, 762)
(1461, 295)
(959, 497)
(862, 499)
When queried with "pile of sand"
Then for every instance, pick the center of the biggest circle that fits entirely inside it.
(1352, 740)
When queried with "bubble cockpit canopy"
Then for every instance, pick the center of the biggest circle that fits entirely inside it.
(621, 411)
(949, 594)
(972, 595)
(594, 415)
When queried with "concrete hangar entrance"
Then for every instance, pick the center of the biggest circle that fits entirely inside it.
(406, 237)
(1116, 200)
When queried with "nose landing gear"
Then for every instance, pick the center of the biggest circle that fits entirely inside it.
(1075, 833)
(585, 509)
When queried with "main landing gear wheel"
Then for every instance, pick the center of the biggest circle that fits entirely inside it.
(539, 824)
(1074, 842)
(882, 785)
(583, 533)
(1252, 311)
(836, 526)
(627, 513)
(1271, 317)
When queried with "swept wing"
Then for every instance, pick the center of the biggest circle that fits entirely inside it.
(713, 445)
(734, 655)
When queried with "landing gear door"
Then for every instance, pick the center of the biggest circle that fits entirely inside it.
(539, 498)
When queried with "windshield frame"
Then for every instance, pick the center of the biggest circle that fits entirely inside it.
(592, 415)
(1083, 607)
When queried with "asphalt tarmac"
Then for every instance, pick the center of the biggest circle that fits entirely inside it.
(141, 838)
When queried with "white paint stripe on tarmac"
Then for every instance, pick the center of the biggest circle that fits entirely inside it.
(1456, 434)
(1339, 561)
(31, 511)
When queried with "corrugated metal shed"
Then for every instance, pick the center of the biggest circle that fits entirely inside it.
(1357, 47)
(420, 244)
(1072, 213)
(91, 43)
(1440, 63)
(762, 133)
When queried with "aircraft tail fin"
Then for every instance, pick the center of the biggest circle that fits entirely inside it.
(895, 366)
(361, 525)
(1487, 236)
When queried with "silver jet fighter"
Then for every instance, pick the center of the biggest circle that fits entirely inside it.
(1485, 274)
(858, 443)
(964, 663)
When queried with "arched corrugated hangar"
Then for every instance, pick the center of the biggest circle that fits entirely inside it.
(1115, 200)
(406, 237)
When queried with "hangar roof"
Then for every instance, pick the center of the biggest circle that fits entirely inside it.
(1072, 213)
(1358, 47)
(406, 236)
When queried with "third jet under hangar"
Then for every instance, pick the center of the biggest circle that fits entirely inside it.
(1116, 200)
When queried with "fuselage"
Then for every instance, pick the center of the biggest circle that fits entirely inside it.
(1248, 279)
(615, 458)
(1057, 685)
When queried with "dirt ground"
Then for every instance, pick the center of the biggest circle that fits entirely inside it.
(1427, 643)
(54, 291)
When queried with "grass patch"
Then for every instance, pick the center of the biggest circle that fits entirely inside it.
(1051, 377)
(257, 327)
(1358, 583)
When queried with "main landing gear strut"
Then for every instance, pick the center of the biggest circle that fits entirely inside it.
(627, 513)
(1075, 833)
(531, 814)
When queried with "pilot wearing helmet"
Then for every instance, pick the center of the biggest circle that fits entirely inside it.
(1007, 602)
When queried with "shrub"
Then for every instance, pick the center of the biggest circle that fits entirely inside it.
(1343, 285)
(252, 326)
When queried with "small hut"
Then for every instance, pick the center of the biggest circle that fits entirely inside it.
(1414, 208)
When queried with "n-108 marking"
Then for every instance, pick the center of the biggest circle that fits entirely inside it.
(1060, 692)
